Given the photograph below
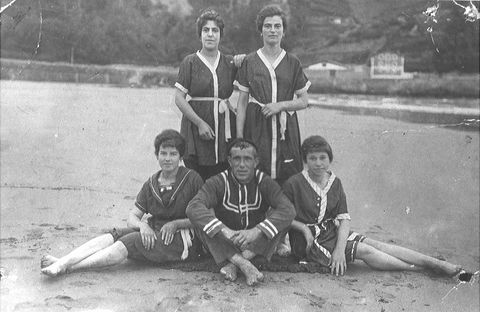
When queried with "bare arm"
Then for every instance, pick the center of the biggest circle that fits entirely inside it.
(303, 228)
(241, 112)
(135, 222)
(183, 223)
(339, 263)
(299, 226)
(168, 230)
(301, 102)
(204, 129)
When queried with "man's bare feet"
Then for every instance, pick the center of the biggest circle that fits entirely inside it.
(229, 272)
(55, 269)
(47, 260)
(253, 276)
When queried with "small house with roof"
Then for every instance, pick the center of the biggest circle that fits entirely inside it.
(331, 66)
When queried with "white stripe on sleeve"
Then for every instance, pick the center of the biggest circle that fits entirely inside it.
(270, 224)
(267, 228)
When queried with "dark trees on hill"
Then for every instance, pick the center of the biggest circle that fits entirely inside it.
(145, 32)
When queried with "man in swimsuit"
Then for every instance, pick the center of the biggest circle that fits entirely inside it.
(240, 213)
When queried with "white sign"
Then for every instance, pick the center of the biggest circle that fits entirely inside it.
(388, 66)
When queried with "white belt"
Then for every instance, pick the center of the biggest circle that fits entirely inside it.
(220, 106)
(283, 117)
(321, 226)
(187, 241)
(283, 128)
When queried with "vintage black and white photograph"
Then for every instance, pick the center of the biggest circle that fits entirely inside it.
(239, 155)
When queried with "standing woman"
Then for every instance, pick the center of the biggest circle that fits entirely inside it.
(273, 87)
(207, 78)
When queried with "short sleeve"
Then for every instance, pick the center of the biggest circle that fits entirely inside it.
(242, 77)
(142, 198)
(301, 81)
(342, 211)
(184, 75)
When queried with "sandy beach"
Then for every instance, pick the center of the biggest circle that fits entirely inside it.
(73, 157)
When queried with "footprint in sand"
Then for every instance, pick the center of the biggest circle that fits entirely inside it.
(60, 300)
(126, 292)
(45, 208)
(12, 241)
(314, 300)
(170, 304)
(65, 227)
(359, 300)
(45, 224)
(375, 229)
(34, 234)
(82, 283)
(28, 306)
(206, 296)
(384, 297)
(351, 281)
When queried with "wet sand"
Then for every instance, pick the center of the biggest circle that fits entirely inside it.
(73, 158)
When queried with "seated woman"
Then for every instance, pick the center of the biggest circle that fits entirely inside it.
(166, 236)
(321, 231)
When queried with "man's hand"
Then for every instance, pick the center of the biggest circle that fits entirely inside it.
(168, 232)
(148, 236)
(338, 262)
(228, 234)
(205, 132)
(308, 238)
(238, 60)
(246, 237)
(271, 109)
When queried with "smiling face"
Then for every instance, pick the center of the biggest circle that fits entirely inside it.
(168, 158)
(243, 162)
(318, 163)
(210, 36)
(272, 30)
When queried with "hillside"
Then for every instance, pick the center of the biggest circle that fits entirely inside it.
(350, 31)
(162, 32)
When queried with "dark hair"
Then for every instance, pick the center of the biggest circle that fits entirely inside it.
(170, 138)
(316, 143)
(209, 15)
(268, 11)
(242, 144)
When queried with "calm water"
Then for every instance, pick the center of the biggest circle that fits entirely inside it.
(449, 113)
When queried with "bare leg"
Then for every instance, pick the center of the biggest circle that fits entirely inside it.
(252, 275)
(78, 254)
(414, 257)
(109, 256)
(283, 248)
(379, 260)
(229, 271)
